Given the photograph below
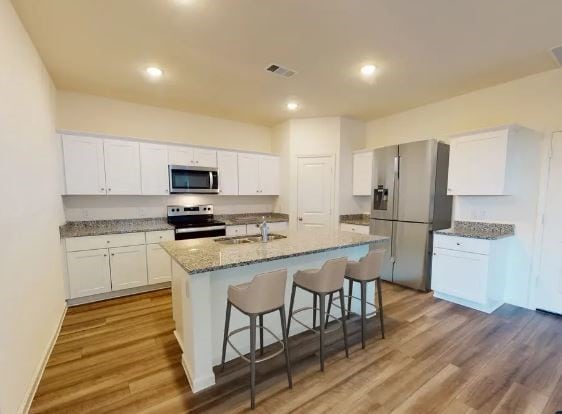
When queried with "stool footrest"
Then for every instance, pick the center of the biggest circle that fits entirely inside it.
(359, 299)
(317, 332)
(244, 328)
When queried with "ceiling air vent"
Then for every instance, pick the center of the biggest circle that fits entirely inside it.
(278, 70)
(557, 54)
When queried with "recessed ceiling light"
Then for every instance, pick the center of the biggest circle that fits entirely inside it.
(368, 70)
(292, 106)
(154, 72)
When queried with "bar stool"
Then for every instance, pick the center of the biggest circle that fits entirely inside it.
(321, 282)
(364, 271)
(263, 295)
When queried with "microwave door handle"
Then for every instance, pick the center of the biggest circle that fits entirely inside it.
(211, 179)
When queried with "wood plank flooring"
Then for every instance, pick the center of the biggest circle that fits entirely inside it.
(120, 356)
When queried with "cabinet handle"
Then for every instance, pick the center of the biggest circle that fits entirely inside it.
(166, 190)
(458, 244)
(108, 241)
(105, 255)
(102, 189)
(300, 218)
(109, 189)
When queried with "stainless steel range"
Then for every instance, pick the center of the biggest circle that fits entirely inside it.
(195, 222)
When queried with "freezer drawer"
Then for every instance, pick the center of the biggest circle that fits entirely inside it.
(412, 255)
(384, 228)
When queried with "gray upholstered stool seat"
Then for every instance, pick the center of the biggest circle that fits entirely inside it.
(263, 295)
(320, 282)
(364, 271)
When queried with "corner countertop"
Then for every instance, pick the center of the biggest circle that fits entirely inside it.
(205, 255)
(356, 219)
(251, 218)
(479, 230)
(102, 227)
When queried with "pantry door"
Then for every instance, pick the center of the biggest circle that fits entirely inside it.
(549, 284)
(315, 191)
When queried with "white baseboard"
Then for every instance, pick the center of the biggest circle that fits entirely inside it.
(197, 384)
(482, 307)
(41, 368)
(118, 294)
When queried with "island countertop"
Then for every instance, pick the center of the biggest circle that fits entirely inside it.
(205, 255)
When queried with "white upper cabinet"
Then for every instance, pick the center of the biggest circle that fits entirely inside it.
(491, 162)
(228, 172)
(154, 169)
(122, 167)
(83, 165)
(362, 173)
(195, 157)
(205, 157)
(269, 175)
(248, 174)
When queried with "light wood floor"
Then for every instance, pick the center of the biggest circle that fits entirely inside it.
(120, 356)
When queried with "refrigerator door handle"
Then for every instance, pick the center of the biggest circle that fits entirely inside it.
(397, 166)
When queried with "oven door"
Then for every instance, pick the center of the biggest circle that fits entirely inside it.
(193, 180)
(200, 232)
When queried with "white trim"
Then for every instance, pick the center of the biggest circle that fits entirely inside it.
(118, 293)
(487, 307)
(41, 368)
(198, 384)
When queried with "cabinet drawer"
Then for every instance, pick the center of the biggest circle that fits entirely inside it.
(74, 244)
(354, 228)
(236, 230)
(252, 229)
(159, 236)
(278, 226)
(463, 244)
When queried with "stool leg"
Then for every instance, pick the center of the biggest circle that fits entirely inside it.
(322, 316)
(261, 334)
(379, 293)
(291, 308)
(253, 360)
(343, 325)
(314, 305)
(329, 308)
(363, 312)
(350, 293)
(286, 343)
(226, 326)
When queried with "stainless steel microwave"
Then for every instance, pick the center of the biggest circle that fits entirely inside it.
(185, 179)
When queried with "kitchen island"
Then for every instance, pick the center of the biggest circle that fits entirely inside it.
(202, 270)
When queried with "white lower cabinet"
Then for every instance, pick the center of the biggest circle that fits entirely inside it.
(470, 272)
(128, 267)
(158, 263)
(89, 272)
(253, 229)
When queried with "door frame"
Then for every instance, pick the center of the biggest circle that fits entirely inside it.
(335, 187)
(541, 210)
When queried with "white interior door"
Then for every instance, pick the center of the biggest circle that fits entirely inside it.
(315, 186)
(549, 284)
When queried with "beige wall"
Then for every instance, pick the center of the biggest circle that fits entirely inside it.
(87, 113)
(534, 101)
(31, 271)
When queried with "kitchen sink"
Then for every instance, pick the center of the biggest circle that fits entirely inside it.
(248, 239)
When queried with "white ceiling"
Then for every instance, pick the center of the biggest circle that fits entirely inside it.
(213, 52)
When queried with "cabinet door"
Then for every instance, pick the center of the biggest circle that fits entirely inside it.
(269, 175)
(362, 173)
(88, 272)
(236, 230)
(228, 172)
(205, 157)
(477, 164)
(128, 267)
(122, 167)
(154, 169)
(83, 165)
(159, 264)
(278, 226)
(248, 174)
(460, 274)
(180, 155)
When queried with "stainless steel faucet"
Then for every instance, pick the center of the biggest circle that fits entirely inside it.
(264, 229)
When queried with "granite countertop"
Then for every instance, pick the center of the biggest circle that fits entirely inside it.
(204, 255)
(479, 230)
(101, 227)
(356, 219)
(251, 218)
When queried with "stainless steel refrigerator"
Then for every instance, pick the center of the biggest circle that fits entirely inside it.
(409, 201)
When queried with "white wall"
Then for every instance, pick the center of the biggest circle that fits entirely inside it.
(535, 102)
(88, 113)
(32, 295)
(79, 208)
(352, 137)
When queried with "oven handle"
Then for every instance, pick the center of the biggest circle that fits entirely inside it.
(196, 229)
